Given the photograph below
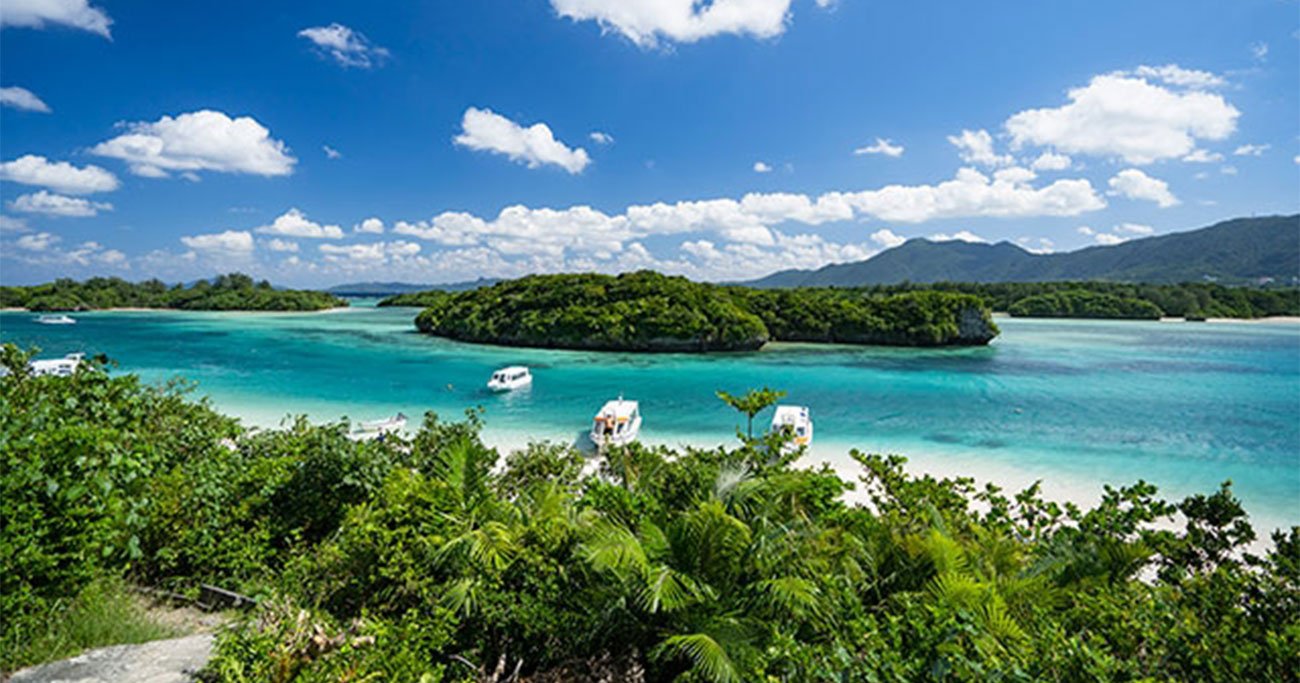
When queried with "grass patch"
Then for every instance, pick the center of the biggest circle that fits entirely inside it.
(105, 613)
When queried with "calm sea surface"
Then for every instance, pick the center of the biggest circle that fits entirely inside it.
(1183, 405)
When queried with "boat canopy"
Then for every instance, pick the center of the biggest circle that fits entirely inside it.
(790, 415)
(619, 410)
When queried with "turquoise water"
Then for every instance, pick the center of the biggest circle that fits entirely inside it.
(1077, 403)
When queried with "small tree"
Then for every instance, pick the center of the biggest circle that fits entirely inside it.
(752, 403)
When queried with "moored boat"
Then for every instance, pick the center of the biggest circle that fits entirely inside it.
(57, 367)
(510, 378)
(617, 424)
(379, 428)
(797, 423)
(60, 319)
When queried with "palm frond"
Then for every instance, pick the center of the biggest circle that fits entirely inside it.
(708, 658)
(613, 548)
(668, 590)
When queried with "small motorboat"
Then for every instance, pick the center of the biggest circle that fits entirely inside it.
(511, 378)
(57, 367)
(617, 424)
(796, 423)
(60, 319)
(379, 428)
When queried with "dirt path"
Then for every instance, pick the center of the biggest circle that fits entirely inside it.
(162, 661)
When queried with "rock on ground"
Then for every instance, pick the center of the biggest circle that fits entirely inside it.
(162, 661)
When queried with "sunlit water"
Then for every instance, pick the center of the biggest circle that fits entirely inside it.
(1076, 403)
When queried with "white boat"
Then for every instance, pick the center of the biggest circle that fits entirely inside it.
(57, 367)
(390, 425)
(617, 424)
(56, 320)
(511, 378)
(795, 421)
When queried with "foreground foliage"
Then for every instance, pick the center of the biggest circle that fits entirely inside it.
(419, 559)
(234, 292)
(646, 311)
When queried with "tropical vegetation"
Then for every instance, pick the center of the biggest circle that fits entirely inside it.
(1190, 300)
(233, 292)
(1084, 304)
(425, 558)
(647, 311)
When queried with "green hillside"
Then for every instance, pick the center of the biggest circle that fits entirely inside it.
(1236, 251)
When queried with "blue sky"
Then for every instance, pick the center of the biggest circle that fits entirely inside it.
(496, 138)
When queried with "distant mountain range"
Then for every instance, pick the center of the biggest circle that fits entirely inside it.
(390, 288)
(1235, 251)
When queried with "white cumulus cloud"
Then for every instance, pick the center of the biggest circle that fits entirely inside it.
(485, 130)
(881, 146)
(22, 98)
(370, 225)
(976, 147)
(58, 205)
(1050, 161)
(204, 140)
(369, 255)
(760, 167)
(230, 242)
(1134, 184)
(12, 224)
(959, 236)
(1135, 229)
(294, 223)
(38, 13)
(347, 47)
(647, 22)
(1202, 156)
(1129, 117)
(1251, 150)
(331, 153)
(601, 138)
(1172, 74)
(277, 244)
(887, 238)
(59, 176)
(972, 193)
(39, 241)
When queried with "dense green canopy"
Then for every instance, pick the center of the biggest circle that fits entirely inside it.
(421, 559)
(1196, 300)
(1084, 304)
(646, 311)
(234, 292)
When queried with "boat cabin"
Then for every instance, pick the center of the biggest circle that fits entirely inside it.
(617, 423)
(513, 377)
(797, 422)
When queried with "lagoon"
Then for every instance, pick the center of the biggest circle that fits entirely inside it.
(1077, 404)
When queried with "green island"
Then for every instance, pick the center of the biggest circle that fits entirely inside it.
(233, 292)
(647, 311)
(421, 558)
(1099, 299)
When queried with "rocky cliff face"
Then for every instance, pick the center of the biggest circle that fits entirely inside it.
(975, 327)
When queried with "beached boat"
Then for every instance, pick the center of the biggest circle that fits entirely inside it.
(378, 428)
(57, 367)
(617, 424)
(56, 320)
(797, 423)
(511, 378)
